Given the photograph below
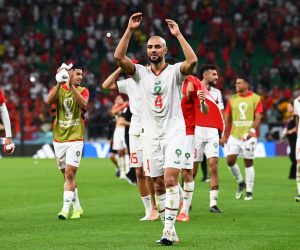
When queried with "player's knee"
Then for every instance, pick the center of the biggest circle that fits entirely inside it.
(159, 186)
(187, 175)
(215, 188)
(170, 182)
(69, 175)
(230, 162)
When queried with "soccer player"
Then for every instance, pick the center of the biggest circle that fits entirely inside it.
(245, 110)
(189, 89)
(162, 118)
(119, 143)
(6, 123)
(70, 100)
(208, 131)
(297, 114)
(130, 88)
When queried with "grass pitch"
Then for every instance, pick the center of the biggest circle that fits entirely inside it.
(31, 197)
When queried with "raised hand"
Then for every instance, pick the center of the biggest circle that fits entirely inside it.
(201, 96)
(135, 21)
(173, 26)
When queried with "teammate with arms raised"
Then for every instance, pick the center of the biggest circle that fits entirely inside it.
(69, 99)
(162, 118)
(244, 110)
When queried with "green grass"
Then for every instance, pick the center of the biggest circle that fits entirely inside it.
(31, 197)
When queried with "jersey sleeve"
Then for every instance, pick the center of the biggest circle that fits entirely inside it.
(138, 72)
(2, 98)
(122, 86)
(296, 107)
(259, 107)
(85, 93)
(227, 110)
(178, 75)
(221, 103)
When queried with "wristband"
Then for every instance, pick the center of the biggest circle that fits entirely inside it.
(252, 130)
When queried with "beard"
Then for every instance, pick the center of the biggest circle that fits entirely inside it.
(212, 84)
(155, 61)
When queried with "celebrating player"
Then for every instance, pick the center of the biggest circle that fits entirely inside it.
(245, 110)
(130, 88)
(69, 99)
(189, 89)
(162, 118)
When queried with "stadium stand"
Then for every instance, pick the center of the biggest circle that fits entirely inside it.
(260, 38)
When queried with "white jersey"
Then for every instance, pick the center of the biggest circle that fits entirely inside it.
(206, 132)
(162, 116)
(297, 112)
(131, 89)
(217, 96)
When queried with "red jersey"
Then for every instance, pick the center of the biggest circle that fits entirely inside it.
(2, 99)
(214, 118)
(187, 104)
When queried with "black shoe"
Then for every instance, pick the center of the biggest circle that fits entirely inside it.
(297, 198)
(132, 176)
(215, 209)
(248, 196)
(239, 192)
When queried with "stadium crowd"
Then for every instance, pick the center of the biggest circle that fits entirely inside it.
(259, 37)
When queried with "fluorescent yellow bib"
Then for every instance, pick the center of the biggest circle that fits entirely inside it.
(243, 110)
(68, 124)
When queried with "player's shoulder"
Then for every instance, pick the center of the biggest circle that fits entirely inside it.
(255, 96)
(193, 79)
(215, 90)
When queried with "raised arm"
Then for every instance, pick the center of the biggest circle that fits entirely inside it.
(110, 81)
(79, 98)
(190, 62)
(62, 76)
(120, 54)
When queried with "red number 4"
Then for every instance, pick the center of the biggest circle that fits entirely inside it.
(158, 102)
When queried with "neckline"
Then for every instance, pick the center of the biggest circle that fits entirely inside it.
(160, 71)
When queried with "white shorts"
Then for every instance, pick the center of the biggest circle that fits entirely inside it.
(189, 146)
(68, 153)
(136, 151)
(245, 149)
(119, 139)
(298, 149)
(164, 153)
(210, 148)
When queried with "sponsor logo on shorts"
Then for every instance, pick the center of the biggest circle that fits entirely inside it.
(177, 162)
(216, 145)
(178, 152)
(78, 153)
(187, 155)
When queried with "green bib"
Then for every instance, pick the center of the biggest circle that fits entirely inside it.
(242, 111)
(68, 124)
